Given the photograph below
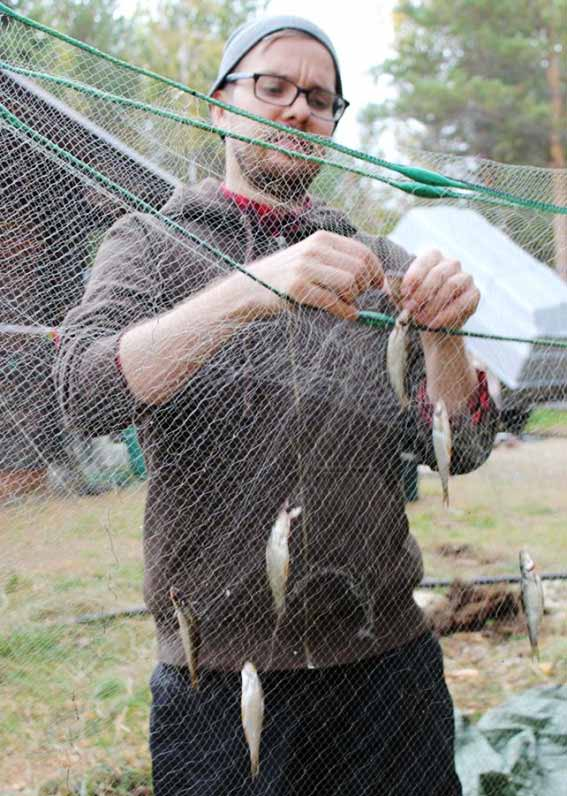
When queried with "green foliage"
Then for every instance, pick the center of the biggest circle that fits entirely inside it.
(474, 75)
(98, 22)
(183, 39)
(180, 39)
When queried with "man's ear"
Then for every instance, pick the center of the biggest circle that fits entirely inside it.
(218, 115)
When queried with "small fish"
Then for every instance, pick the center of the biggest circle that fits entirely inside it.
(189, 630)
(397, 357)
(532, 599)
(252, 712)
(442, 445)
(277, 555)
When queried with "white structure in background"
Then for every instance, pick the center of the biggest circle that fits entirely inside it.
(521, 297)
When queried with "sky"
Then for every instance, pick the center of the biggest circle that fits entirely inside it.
(361, 31)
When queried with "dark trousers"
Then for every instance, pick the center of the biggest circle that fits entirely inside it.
(382, 727)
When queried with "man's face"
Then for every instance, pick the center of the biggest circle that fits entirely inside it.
(304, 61)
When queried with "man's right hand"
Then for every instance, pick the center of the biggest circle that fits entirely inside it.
(326, 270)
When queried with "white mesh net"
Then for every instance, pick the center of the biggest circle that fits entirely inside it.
(263, 457)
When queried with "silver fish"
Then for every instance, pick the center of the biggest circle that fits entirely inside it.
(442, 445)
(277, 555)
(252, 713)
(532, 599)
(189, 631)
(397, 357)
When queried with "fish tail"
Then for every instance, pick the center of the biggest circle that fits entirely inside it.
(254, 766)
(446, 496)
(535, 653)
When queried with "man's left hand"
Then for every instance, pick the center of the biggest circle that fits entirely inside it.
(437, 293)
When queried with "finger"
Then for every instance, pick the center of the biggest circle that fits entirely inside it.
(452, 287)
(370, 272)
(418, 270)
(369, 269)
(366, 268)
(456, 315)
(372, 269)
(358, 274)
(393, 287)
(340, 281)
(434, 281)
(319, 297)
(349, 264)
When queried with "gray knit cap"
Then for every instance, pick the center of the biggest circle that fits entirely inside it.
(248, 35)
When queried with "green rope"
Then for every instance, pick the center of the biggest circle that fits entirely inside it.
(368, 318)
(138, 203)
(420, 176)
(415, 189)
(382, 321)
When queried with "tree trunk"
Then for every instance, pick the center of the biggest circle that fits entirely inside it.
(557, 154)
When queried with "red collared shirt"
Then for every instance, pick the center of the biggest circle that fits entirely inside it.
(274, 220)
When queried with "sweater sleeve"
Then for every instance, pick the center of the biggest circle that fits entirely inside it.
(473, 428)
(123, 289)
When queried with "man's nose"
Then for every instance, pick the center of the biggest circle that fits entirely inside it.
(300, 110)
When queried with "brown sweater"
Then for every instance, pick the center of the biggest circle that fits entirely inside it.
(226, 452)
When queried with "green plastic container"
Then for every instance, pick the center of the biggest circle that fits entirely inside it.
(137, 463)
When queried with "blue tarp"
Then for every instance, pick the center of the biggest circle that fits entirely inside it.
(516, 749)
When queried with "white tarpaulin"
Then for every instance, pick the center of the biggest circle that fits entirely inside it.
(521, 297)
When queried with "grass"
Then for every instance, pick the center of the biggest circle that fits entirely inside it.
(547, 420)
(102, 781)
(517, 498)
(74, 699)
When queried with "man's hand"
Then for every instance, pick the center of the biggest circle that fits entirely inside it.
(437, 292)
(326, 270)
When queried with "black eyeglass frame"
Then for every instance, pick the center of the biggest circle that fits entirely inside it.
(232, 77)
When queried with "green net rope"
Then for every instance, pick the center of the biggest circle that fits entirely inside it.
(422, 182)
(374, 319)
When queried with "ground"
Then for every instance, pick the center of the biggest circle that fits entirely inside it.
(74, 697)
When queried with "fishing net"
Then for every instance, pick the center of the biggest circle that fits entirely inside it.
(227, 422)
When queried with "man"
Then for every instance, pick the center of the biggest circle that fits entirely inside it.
(246, 404)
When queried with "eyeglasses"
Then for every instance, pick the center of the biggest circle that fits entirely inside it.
(276, 90)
